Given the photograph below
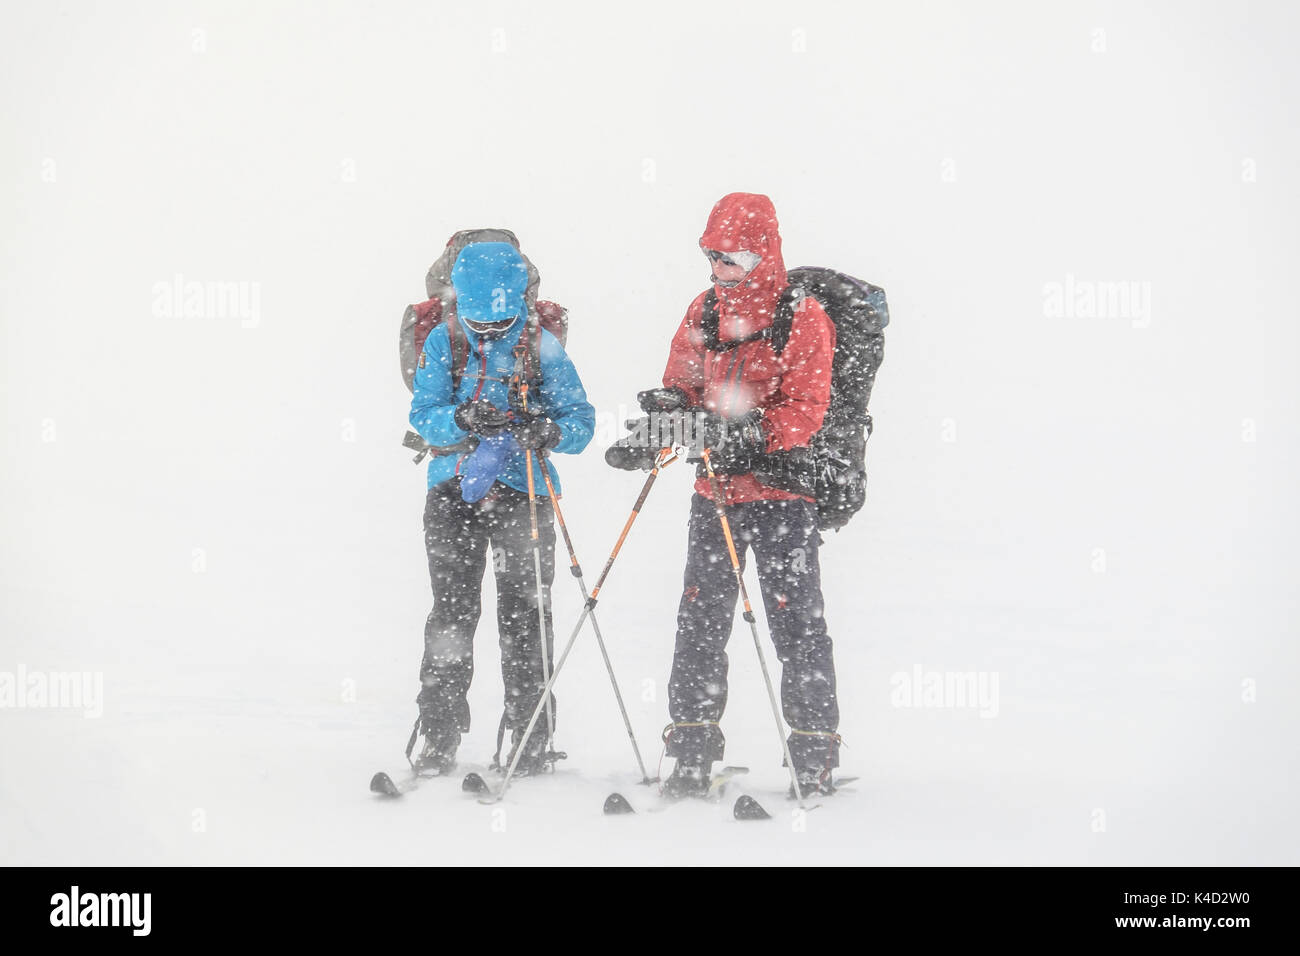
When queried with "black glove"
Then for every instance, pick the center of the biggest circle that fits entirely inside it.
(733, 443)
(480, 417)
(647, 435)
(537, 433)
(669, 399)
(631, 454)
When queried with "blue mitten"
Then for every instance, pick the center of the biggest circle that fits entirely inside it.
(484, 464)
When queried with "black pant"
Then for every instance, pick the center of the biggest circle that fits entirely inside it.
(784, 538)
(457, 535)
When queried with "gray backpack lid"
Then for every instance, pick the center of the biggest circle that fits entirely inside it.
(437, 282)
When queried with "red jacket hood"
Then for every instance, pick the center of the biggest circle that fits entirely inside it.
(747, 222)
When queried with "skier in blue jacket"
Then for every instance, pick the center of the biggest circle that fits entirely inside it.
(478, 493)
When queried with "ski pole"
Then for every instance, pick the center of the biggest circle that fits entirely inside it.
(576, 570)
(720, 505)
(541, 607)
(665, 457)
(537, 576)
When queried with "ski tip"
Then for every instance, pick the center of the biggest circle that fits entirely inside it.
(383, 783)
(473, 783)
(747, 808)
(616, 803)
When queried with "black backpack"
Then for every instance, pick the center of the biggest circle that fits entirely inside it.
(832, 469)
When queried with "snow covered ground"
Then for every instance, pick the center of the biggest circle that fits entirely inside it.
(1087, 503)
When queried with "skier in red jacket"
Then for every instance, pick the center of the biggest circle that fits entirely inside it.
(756, 408)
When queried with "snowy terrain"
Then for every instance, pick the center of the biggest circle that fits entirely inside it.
(210, 507)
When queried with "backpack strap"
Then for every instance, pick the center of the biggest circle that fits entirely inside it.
(459, 347)
(528, 359)
(535, 353)
(709, 321)
(783, 319)
(778, 332)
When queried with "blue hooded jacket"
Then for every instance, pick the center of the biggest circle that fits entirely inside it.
(490, 279)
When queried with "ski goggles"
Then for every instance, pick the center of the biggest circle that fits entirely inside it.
(491, 328)
(746, 260)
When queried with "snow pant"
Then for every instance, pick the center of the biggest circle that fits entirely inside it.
(457, 536)
(784, 539)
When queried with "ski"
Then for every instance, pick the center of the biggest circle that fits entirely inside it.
(837, 784)
(474, 783)
(747, 808)
(382, 783)
(616, 803)
(386, 785)
(718, 782)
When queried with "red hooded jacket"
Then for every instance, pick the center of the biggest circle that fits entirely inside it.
(793, 389)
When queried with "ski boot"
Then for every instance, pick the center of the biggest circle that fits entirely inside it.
(536, 758)
(437, 757)
(687, 780)
(813, 782)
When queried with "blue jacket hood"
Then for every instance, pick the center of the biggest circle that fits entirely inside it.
(490, 279)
